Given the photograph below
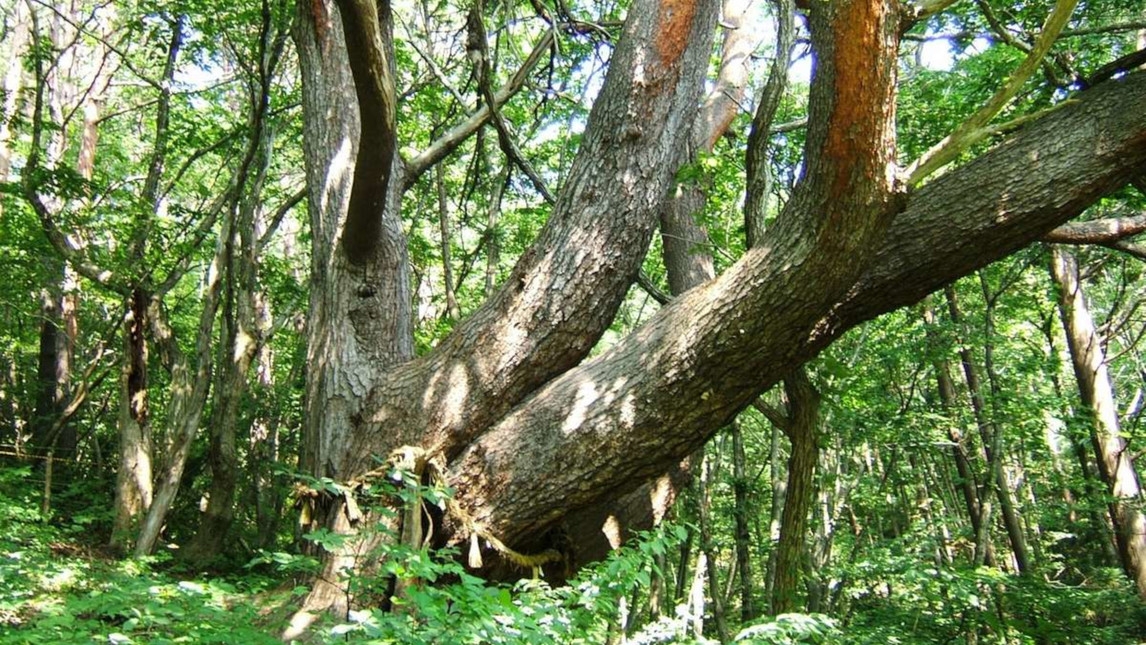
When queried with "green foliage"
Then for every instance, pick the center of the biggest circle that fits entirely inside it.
(54, 590)
(788, 629)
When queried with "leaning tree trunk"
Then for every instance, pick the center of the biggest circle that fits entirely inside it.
(505, 401)
(1095, 388)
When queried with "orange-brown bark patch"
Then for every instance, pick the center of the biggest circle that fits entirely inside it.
(856, 137)
(674, 20)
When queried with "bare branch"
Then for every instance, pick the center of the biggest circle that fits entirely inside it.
(455, 136)
(648, 286)
(505, 138)
(277, 218)
(1101, 231)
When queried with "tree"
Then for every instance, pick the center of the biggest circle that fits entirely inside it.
(524, 427)
(1095, 388)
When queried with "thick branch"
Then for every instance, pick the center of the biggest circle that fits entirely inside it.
(589, 251)
(657, 396)
(374, 87)
(651, 400)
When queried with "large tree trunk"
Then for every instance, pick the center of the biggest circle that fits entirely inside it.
(505, 401)
(359, 322)
(1095, 388)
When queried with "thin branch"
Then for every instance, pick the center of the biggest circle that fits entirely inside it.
(974, 129)
(1001, 32)
(758, 174)
(648, 286)
(504, 137)
(775, 415)
(449, 141)
(1102, 231)
(923, 10)
(1114, 67)
(435, 70)
(1130, 248)
(277, 218)
(124, 58)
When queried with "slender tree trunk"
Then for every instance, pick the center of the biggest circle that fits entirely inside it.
(802, 428)
(991, 436)
(244, 326)
(452, 308)
(741, 511)
(1012, 519)
(779, 489)
(17, 40)
(1095, 388)
(190, 383)
(709, 466)
(967, 480)
(133, 490)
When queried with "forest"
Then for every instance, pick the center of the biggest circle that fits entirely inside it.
(572, 321)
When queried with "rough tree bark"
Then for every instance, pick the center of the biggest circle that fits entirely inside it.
(801, 426)
(529, 433)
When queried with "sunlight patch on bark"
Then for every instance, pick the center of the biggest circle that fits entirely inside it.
(612, 530)
(661, 497)
(457, 392)
(586, 396)
(339, 175)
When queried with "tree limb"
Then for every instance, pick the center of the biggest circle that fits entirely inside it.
(611, 423)
(972, 130)
(1100, 231)
(454, 137)
(370, 65)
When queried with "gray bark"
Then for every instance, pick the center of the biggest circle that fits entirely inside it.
(1095, 388)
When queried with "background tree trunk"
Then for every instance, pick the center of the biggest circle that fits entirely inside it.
(1115, 464)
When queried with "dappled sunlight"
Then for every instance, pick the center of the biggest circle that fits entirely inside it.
(588, 395)
(448, 398)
